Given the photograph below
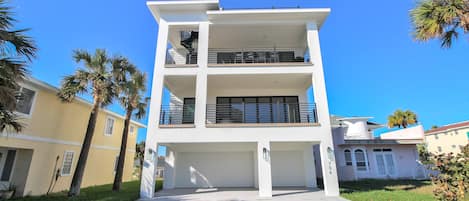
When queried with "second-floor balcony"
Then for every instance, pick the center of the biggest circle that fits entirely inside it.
(243, 114)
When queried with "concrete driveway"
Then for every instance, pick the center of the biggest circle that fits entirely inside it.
(241, 194)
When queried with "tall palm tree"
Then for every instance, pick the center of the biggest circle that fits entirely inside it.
(139, 152)
(96, 79)
(131, 87)
(402, 119)
(443, 19)
(16, 49)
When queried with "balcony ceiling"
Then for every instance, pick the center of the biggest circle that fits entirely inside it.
(257, 36)
(181, 85)
(261, 82)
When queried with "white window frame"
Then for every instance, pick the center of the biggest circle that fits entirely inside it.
(113, 125)
(355, 160)
(351, 157)
(131, 129)
(33, 100)
(396, 170)
(63, 163)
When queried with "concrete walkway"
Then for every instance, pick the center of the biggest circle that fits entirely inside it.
(241, 194)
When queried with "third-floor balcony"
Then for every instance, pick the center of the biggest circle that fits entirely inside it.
(243, 45)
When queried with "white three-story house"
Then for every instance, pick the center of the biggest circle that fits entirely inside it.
(238, 99)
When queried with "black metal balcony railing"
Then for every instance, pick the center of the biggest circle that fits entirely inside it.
(245, 113)
(257, 57)
(177, 114)
(261, 113)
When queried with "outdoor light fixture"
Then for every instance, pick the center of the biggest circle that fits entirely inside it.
(265, 154)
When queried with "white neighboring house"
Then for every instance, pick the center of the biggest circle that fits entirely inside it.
(238, 99)
(360, 155)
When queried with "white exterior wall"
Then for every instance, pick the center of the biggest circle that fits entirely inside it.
(265, 138)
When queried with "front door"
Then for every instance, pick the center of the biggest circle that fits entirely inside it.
(385, 162)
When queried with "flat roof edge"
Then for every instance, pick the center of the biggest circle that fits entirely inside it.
(268, 11)
(175, 2)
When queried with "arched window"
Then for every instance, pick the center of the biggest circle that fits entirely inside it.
(360, 160)
(348, 157)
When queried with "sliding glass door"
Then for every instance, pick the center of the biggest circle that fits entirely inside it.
(265, 109)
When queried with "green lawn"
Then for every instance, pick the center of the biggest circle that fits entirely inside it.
(387, 190)
(129, 192)
(365, 190)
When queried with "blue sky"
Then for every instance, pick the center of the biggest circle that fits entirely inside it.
(372, 65)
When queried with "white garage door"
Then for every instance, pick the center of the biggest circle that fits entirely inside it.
(214, 169)
(288, 168)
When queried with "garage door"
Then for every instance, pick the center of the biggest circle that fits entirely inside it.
(209, 169)
(287, 168)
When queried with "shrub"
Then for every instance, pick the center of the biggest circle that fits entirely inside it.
(452, 180)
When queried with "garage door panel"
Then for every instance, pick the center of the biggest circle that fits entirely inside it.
(214, 169)
(287, 168)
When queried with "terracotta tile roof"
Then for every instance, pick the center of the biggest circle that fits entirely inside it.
(448, 127)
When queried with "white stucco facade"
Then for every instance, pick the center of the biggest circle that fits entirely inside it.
(277, 106)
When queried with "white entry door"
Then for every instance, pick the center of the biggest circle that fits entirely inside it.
(385, 162)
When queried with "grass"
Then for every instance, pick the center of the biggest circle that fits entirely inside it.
(387, 190)
(129, 192)
(364, 190)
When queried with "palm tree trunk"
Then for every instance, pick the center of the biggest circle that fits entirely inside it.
(120, 164)
(85, 149)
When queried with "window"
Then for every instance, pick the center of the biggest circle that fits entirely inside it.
(188, 111)
(348, 157)
(467, 134)
(360, 160)
(67, 163)
(116, 161)
(131, 129)
(439, 148)
(267, 109)
(453, 146)
(8, 165)
(436, 136)
(385, 163)
(109, 126)
(25, 103)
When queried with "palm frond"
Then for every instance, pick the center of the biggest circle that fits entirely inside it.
(73, 85)
(9, 121)
(22, 44)
(6, 16)
(440, 19)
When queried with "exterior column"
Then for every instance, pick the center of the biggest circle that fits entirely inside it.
(170, 169)
(264, 169)
(201, 83)
(147, 187)
(310, 167)
(329, 170)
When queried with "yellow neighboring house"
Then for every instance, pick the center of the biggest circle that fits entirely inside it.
(448, 138)
(50, 144)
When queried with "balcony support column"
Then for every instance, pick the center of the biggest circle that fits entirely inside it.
(147, 187)
(264, 171)
(329, 169)
(201, 83)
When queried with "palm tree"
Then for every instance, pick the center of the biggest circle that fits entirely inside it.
(402, 119)
(443, 19)
(139, 153)
(131, 87)
(96, 79)
(16, 49)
